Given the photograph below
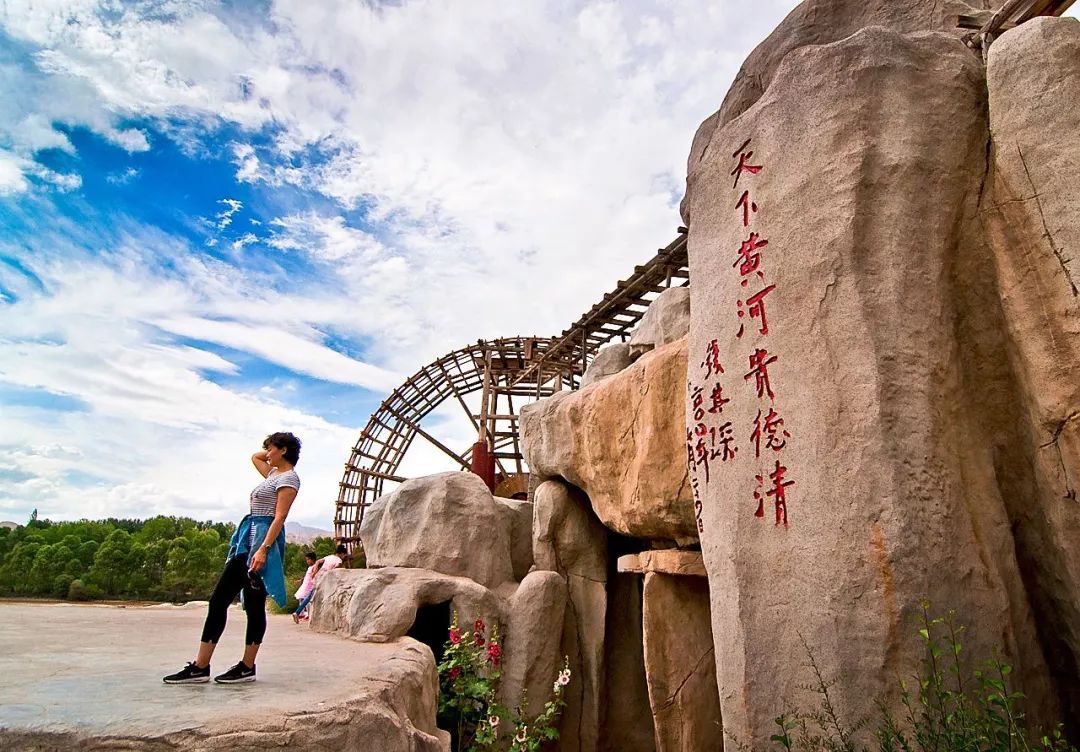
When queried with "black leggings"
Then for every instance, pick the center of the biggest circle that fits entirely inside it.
(234, 579)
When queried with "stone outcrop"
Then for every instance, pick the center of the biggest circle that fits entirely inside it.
(380, 605)
(517, 520)
(448, 522)
(1029, 212)
(533, 656)
(620, 441)
(868, 156)
(680, 664)
(569, 540)
(608, 360)
(667, 319)
(817, 22)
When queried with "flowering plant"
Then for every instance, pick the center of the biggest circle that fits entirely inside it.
(530, 737)
(469, 675)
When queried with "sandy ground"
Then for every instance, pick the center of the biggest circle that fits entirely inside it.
(98, 669)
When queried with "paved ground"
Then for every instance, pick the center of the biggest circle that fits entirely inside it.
(97, 669)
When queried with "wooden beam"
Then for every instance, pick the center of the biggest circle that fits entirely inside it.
(415, 427)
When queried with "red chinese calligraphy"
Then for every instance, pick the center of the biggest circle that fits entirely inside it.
(771, 427)
(777, 489)
(711, 363)
(697, 402)
(756, 305)
(744, 163)
(759, 363)
(749, 259)
(717, 399)
(726, 435)
(747, 206)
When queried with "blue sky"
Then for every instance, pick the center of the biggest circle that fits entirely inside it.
(223, 219)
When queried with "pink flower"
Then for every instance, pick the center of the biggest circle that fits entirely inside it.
(494, 653)
(564, 677)
(455, 636)
(455, 672)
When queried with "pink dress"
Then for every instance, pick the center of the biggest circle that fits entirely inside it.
(307, 584)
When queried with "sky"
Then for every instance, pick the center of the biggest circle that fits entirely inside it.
(219, 220)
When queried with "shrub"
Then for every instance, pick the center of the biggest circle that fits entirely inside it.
(62, 585)
(951, 711)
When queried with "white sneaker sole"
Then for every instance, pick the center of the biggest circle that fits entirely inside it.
(193, 680)
(242, 680)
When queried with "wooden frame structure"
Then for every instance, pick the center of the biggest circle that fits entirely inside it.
(507, 373)
(1010, 15)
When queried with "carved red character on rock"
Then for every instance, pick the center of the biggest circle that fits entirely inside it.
(743, 155)
(759, 363)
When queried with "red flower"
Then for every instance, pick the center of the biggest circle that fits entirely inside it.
(455, 636)
(494, 652)
(479, 625)
(455, 672)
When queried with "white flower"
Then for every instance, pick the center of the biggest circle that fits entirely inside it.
(564, 677)
(556, 688)
(522, 735)
(493, 721)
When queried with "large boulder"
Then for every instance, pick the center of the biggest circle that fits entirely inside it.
(517, 519)
(680, 663)
(608, 360)
(1033, 232)
(666, 319)
(448, 522)
(381, 605)
(845, 480)
(621, 441)
(569, 540)
(815, 22)
(533, 656)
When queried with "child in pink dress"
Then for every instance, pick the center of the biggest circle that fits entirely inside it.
(306, 587)
(325, 564)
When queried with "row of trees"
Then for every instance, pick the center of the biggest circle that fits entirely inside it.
(162, 558)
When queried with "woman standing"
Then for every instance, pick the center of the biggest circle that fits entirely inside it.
(255, 564)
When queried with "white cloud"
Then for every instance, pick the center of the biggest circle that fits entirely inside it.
(224, 218)
(480, 169)
(12, 178)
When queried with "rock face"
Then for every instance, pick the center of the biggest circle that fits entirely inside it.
(622, 442)
(817, 22)
(533, 656)
(1033, 232)
(380, 605)
(569, 540)
(680, 664)
(448, 522)
(517, 519)
(825, 228)
(667, 319)
(609, 360)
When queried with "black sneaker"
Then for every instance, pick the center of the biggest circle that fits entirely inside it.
(189, 674)
(241, 672)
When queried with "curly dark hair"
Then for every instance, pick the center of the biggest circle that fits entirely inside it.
(286, 442)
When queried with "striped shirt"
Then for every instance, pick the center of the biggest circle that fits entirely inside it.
(264, 495)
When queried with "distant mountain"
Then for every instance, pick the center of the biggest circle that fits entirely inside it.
(297, 533)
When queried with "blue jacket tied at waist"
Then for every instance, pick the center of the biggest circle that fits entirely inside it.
(273, 572)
